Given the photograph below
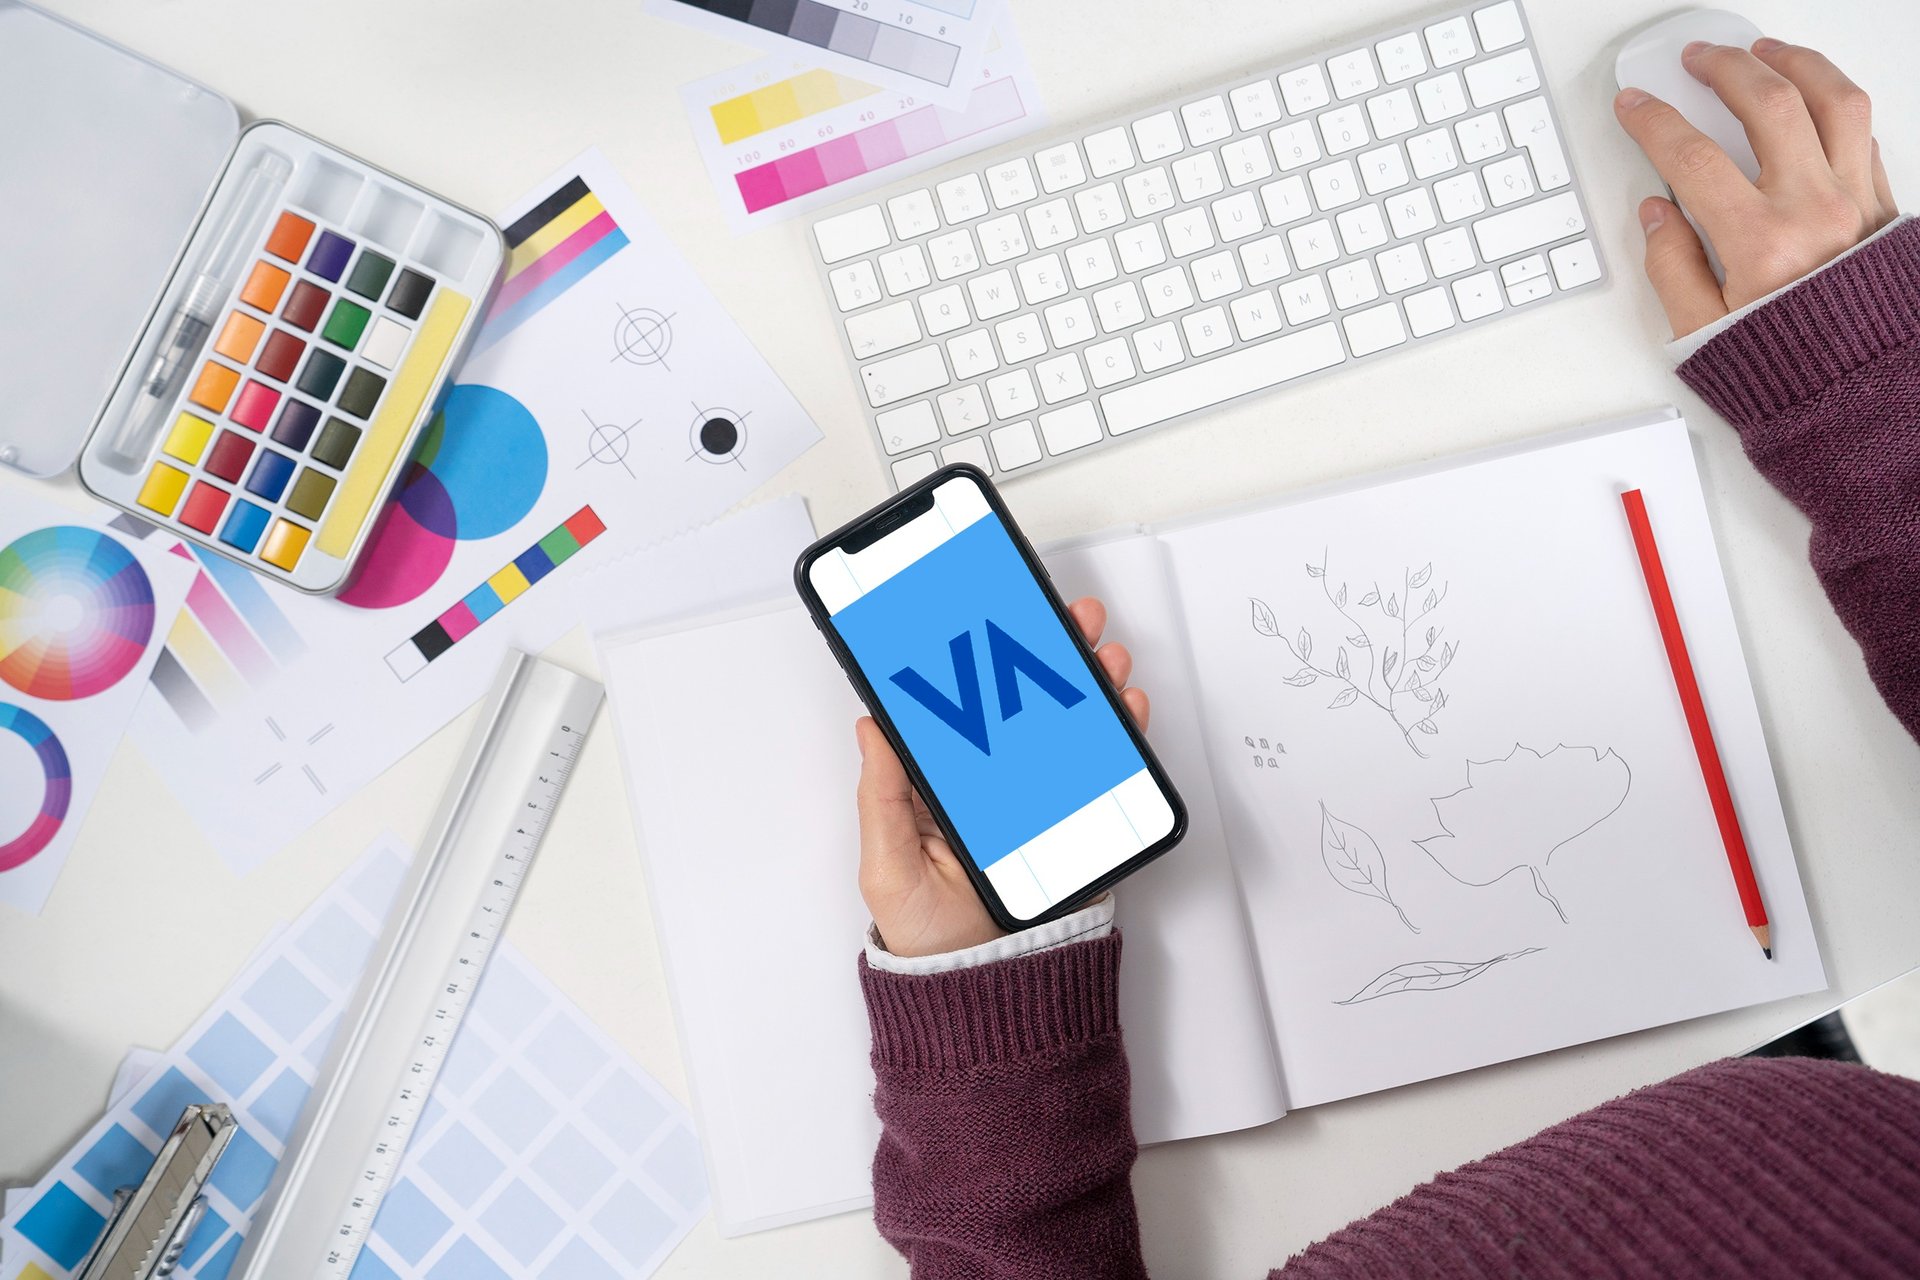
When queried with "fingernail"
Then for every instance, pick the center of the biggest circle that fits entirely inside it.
(1631, 98)
(1695, 49)
(1651, 216)
(1767, 44)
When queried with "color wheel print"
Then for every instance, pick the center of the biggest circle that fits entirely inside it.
(58, 790)
(76, 612)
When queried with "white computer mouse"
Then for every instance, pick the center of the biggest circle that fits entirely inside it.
(1650, 60)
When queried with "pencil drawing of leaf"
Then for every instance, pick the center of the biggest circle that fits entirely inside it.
(1353, 860)
(1393, 606)
(1420, 579)
(1304, 643)
(1301, 678)
(1340, 667)
(1386, 665)
(1345, 698)
(1315, 571)
(1340, 596)
(1516, 812)
(1370, 599)
(1360, 641)
(1263, 619)
(1428, 975)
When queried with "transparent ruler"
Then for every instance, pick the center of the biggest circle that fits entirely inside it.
(346, 1148)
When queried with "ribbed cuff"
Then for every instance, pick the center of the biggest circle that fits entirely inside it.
(1839, 320)
(1000, 1012)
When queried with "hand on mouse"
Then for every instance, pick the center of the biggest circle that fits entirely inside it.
(1821, 189)
(913, 883)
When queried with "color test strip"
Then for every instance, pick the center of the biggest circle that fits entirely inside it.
(367, 475)
(501, 588)
(848, 34)
(550, 248)
(779, 104)
(854, 154)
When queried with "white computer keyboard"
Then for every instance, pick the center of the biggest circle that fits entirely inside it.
(1049, 302)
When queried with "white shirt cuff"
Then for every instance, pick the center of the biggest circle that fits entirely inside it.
(1095, 921)
(1680, 349)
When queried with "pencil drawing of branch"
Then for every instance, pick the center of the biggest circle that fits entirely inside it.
(1518, 811)
(1428, 975)
(1403, 684)
(1353, 860)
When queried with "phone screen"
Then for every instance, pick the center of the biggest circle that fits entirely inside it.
(1015, 736)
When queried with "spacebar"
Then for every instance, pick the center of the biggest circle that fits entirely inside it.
(1141, 404)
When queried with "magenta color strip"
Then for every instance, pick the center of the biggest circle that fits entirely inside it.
(877, 146)
(550, 262)
(231, 634)
(458, 621)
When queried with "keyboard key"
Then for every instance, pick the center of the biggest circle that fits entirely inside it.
(1263, 260)
(1168, 291)
(1002, 239)
(1012, 394)
(1344, 129)
(1011, 182)
(1353, 284)
(1305, 89)
(1015, 445)
(1149, 191)
(953, 254)
(1480, 137)
(1074, 427)
(1070, 322)
(1090, 263)
(1157, 137)
(1050, 224)
(1140, 247)
(1362, 229)
(1442, 98)
(1255, 106)
(1060, 168)
(1529, 290)
(1313, 245)
(1477, 295)
(1381, 169)
(1499, 26)
(1528, 226)
(913, 214)
(1215, 276)
(1508, 181)
(971, 354)
(1432, 154)
(1401, 268)
(1021, 338)
(1237, 217)
(962, 199)
(881, 330)
(973, 451)
(904, 270)
(1108, 152)
(1530, 267)
(1428, 312)
(1375, 329)
(1256, 315)
(1110, 362)
(911, 470)
(1411, 212)
(1530, 125)
(1246, 161)
(1100, 207)
(1575, 264)
(1237, 373)
(1207, 331)
(1206, 120)
(1400, 58)
(1198, 176)
(1294, 145)
(1305, 299)
(1449, 253)
(943, 311)
(1042, 279)
(1061, 378)
(1158, 347)
(962, 409)
(993, 295)
(903, 377)
(1285, 201)
(1449, 42)
(908, 427)
(1119, 307)
(1334, 185)
(854, 285)
(850, 234)
(1507, 76)
(1392, 114)
(1459, 197)
(1352, 74)
(1188, 231)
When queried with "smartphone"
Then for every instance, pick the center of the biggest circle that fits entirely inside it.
(952, 634)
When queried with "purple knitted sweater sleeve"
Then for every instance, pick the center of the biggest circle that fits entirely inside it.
(1823, 384)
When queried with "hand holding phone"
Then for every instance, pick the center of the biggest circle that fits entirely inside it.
(913, 883)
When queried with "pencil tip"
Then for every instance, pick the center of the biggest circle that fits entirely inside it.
(1768, 951)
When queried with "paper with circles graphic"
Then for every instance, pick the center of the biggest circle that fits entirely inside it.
(610, 403)
(82, 613)
(544, 1151)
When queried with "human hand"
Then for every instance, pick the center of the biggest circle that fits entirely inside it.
(1821, 188)
(913, 882)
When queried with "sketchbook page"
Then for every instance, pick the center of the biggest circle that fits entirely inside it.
(1196, 1025)
(1479, 829)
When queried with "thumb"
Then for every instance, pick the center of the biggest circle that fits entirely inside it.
(1677, 266)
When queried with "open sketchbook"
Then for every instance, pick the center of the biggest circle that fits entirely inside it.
(1445, 810)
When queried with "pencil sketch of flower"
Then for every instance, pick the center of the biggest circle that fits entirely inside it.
(1353, 860)
(1404, 660)
(1516, 812)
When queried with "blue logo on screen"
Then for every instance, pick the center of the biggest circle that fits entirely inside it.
(1010, 660)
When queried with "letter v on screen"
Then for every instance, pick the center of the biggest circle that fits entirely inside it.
(1010, 660)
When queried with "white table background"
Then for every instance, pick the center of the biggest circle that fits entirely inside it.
(481, 99)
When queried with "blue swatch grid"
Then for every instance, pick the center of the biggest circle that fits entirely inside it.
(544, 1150)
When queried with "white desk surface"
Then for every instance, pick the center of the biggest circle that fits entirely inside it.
(481, 99)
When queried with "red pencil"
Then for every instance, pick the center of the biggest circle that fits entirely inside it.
(1696, 712)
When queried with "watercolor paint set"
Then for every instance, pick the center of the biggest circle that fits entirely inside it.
(314, 311)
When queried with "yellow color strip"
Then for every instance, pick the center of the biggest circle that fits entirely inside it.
(578, 215)
(508, 583)
(367, 475)
(735, 118)
(781, 103)
(203, 660)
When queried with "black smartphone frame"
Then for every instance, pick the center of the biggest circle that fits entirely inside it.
(865, 530)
